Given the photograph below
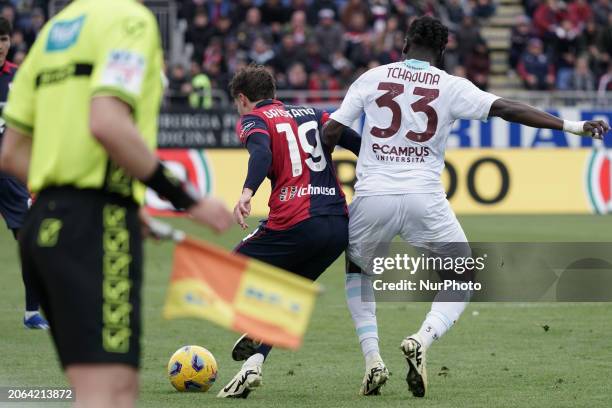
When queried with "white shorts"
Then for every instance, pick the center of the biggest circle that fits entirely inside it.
(424, 220)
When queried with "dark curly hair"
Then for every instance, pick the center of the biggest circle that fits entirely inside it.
(254, 82)
(427, 32)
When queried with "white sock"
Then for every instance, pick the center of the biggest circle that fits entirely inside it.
(29, 314)
(442, 316)
(361, 304)
(255, 359)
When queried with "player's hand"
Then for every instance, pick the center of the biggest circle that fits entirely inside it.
(213, 213)
(243, 208)
(596, 128)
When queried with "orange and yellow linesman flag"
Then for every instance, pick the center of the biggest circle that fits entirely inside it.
(242, 294)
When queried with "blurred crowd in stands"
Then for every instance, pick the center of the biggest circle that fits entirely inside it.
(564, 45)
(325, 44)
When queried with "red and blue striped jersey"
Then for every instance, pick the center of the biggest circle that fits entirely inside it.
(304, 182)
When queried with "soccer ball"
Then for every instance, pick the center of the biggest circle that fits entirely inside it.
(192, 368)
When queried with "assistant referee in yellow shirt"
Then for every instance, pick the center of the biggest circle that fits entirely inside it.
(82, 125)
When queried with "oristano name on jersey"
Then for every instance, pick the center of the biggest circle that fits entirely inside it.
(289, 113)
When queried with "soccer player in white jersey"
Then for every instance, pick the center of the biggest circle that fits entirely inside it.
(410, 107)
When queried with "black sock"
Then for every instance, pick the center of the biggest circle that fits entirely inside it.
(31, 294)
(264, 349)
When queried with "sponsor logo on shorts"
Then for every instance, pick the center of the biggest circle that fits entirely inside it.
(401, 154)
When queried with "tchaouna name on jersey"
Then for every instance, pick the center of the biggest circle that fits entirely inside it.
(422, 77)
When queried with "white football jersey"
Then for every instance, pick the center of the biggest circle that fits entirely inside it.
(410, 107)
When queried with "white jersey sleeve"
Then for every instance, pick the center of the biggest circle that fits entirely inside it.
(352, 105)
(470, 102)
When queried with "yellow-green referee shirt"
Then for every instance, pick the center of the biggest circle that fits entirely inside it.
(92, 47)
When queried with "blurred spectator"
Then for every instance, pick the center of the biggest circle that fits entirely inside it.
(535, 68)
(478, 65)
(18, 45)
(579, 12)
(312, 8)
(261, 53)
(468, 35)
(455, 12)
(546, 18)
(178, 85)
(601, 11)
(297, 77)
(199, 34)
(288, 54)
(451, 57)
(582, 77)
(275, 14)
(329, 34)
(37, 21)
(201, 89)
(460, 71)
(8, 12)
(240, 10)
(519, 37)
(252, 28)
(322, 80)
(298, 28)
(605, 83)
(314, 60)
(19, 57)
(218, 9)
(565, 51)
(483, 8)
(352, 8)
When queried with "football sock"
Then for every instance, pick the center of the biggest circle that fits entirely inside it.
(255, 359)
(31, 294)
(264, 350)
(361, 304)
(442, 316)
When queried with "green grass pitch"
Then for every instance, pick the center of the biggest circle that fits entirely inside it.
(498, 355)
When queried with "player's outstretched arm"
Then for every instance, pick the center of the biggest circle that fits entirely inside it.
(519, 112)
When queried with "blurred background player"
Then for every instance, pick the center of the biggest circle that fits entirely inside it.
(307, 228)
(14, 196)
(81, 128)
(409, 107)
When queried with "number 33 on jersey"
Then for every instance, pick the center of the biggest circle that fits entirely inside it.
(304, 182)
(410, 107)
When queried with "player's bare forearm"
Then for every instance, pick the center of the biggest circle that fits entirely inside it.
(332, 131)
(112, 124)
(524, 114)
(519, 112)
(15, 154)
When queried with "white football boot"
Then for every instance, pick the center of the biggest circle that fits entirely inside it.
(247, 379)
(414, 352)
(375, 377)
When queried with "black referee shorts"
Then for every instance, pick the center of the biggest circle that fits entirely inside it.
(83, 249)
